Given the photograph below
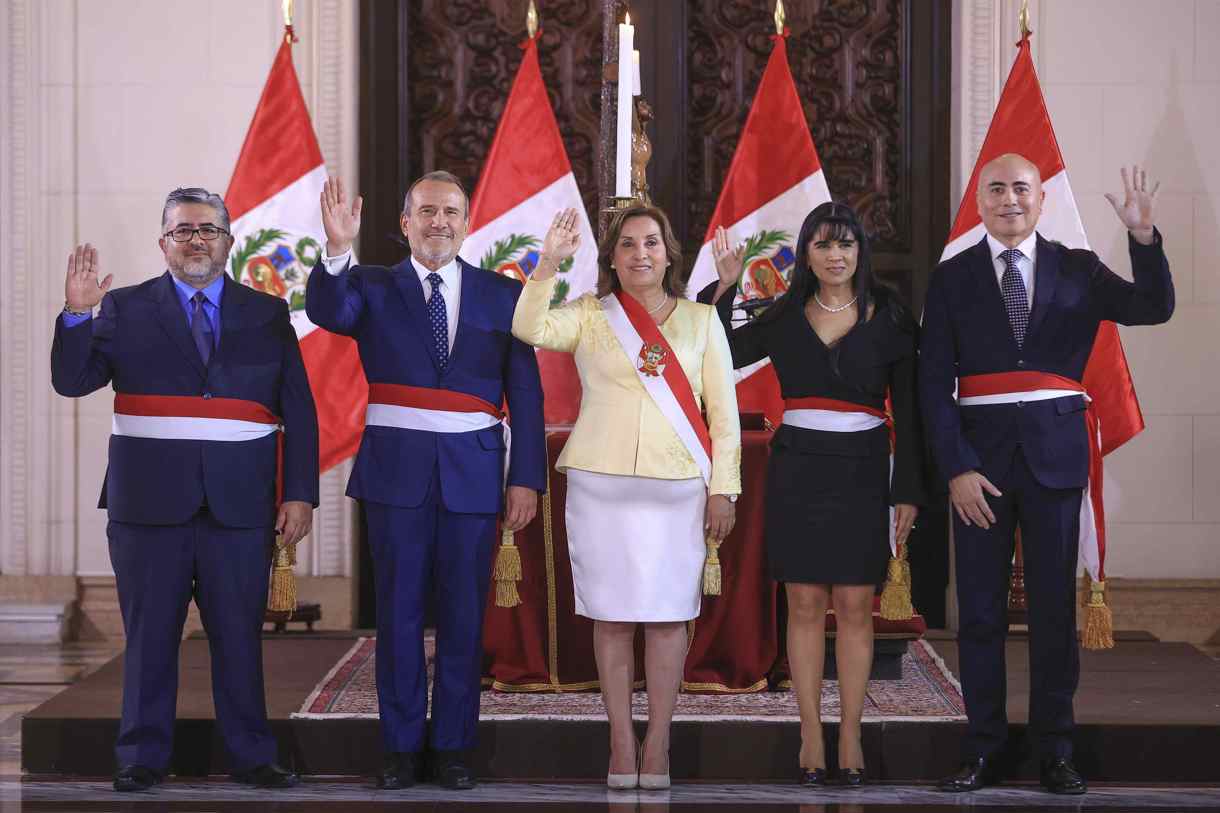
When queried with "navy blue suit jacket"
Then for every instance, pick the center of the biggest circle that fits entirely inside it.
(384, 310)
(141, 343)
(966, 332)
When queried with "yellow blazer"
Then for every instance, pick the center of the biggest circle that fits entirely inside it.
(619, 429)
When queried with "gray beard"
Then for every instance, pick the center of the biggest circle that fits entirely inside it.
(198, 272)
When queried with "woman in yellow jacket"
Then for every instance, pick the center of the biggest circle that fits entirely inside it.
(640, 502)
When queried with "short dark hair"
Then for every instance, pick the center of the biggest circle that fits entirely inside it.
(436, 175)
(608, 282)
(195, 194)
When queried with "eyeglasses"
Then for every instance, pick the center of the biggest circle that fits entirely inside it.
(184, 234)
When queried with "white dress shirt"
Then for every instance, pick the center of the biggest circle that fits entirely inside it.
(451, 284)
(1025, 265)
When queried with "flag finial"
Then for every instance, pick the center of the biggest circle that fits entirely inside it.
(286, 6)
(531, 20)
(779, 17)
(1023, 20)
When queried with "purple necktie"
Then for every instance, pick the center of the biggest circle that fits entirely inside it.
(1016, 300)
(438, 320)
(201, 328)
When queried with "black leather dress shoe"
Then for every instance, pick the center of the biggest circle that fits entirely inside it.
(268, 776)
(813, 777)
(131, 778)
(1060, 776)
(399, 771)
(972, 775)
(851, 777)
(452, 771)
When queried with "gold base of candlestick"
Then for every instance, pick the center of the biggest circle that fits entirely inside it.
(617, 204)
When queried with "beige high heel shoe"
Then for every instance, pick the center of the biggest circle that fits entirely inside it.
(626, 781)
(654, 781)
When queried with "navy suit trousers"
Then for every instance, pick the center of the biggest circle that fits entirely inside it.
(1049, 519)
(158, 568)
(418, 552)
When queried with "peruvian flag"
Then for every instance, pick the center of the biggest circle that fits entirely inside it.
(774, 181)
(277, 239)
(1022, 125)
(526, 180)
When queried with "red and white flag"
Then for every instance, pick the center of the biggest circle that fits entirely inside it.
(527, 179)
(1022, 125)
(774, 181)
(277, 238)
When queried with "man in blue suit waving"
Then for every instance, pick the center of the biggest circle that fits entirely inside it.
(1008, 327)
(435, 341)
(205, 374)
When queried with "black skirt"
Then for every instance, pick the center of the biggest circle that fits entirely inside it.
(828, 506)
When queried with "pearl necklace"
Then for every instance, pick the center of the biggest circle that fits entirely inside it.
(826, 307)
(664, 302)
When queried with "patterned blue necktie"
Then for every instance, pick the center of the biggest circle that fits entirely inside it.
(1016, 300)
(438, 320)
(201, 328)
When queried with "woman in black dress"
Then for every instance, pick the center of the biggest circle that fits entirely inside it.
(839, 344)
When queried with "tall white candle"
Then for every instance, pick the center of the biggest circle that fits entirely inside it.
(635, 72)
(622, 163)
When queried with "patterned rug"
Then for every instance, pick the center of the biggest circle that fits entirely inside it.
(927, 692)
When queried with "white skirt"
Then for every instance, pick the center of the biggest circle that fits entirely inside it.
(636, 546)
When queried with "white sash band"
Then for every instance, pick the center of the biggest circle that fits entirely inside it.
(177, 428)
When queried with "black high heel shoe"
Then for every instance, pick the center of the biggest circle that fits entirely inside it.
(815, 778)
(851, 777)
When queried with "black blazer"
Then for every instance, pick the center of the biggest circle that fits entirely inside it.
(140, 342)
(875, 358)
(966, 332)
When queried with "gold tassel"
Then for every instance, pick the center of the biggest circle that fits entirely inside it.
(507, 571)
(283, 595)
(896, 595)
(712, 576)
(1098, 619)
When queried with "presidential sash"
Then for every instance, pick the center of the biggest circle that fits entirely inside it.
(661, 374)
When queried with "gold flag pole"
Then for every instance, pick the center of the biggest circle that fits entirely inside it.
(282, 592)
(531, 20)
(1023, 20)
(780, 17)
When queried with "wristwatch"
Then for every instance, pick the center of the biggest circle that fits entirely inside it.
(732, 497)
(68, 309)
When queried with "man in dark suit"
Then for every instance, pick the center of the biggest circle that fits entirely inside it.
(1019, 456)
(205, 373)
(435, 342)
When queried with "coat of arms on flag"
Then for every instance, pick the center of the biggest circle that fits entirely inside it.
(276, 263)
(516, 256)
(768, 261)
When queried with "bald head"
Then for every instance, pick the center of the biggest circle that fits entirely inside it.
(1010, 198)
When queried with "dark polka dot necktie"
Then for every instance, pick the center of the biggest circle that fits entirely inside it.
(1016, 300)
(438, 320)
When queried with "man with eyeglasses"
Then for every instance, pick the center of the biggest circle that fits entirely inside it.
(206, 374)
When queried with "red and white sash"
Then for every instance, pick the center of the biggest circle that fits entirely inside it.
(191, 417)
(1018, 387)
(661, 374)
(831, 415)
(198, 417)
(429, 409)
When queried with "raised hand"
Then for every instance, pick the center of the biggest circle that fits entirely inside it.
(82, 291)
(561, 241)
(1137, 208)
(340, 220)
(729, 264)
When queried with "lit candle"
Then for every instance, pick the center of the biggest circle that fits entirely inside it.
(622, 163)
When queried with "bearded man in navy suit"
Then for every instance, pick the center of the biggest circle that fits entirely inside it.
(435, 341)
(205, 373)
(1016, 316)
